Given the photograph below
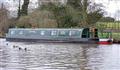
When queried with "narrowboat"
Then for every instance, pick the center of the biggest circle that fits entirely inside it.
(107, 39)
(83, 35)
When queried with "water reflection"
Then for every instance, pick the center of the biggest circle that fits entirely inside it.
(56, 56)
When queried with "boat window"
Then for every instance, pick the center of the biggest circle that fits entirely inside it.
(54, 33)
(12, 32)
(21, 32)
(72, 33)
(42, 32)
(62, 32)
(32, 31)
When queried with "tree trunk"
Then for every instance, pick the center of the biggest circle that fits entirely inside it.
(19, 10)
(84, 12)
(24, 10)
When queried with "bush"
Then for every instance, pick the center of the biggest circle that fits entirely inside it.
(37, 19)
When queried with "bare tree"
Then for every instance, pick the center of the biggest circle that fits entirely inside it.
(24, 10)
(3, 20)
(19, 8)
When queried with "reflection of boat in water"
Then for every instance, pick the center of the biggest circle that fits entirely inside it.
(82, 35)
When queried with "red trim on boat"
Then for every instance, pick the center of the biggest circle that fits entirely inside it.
(104, 42)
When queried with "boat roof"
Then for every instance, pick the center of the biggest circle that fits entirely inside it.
(46, 28)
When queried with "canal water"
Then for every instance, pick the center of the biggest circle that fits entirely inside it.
(58, 56)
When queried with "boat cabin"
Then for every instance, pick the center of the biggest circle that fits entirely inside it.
(48, 34)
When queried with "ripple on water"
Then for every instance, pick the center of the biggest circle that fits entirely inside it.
(55, 56)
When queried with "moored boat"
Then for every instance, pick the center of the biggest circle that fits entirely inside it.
(105, 41)
(79, 35)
